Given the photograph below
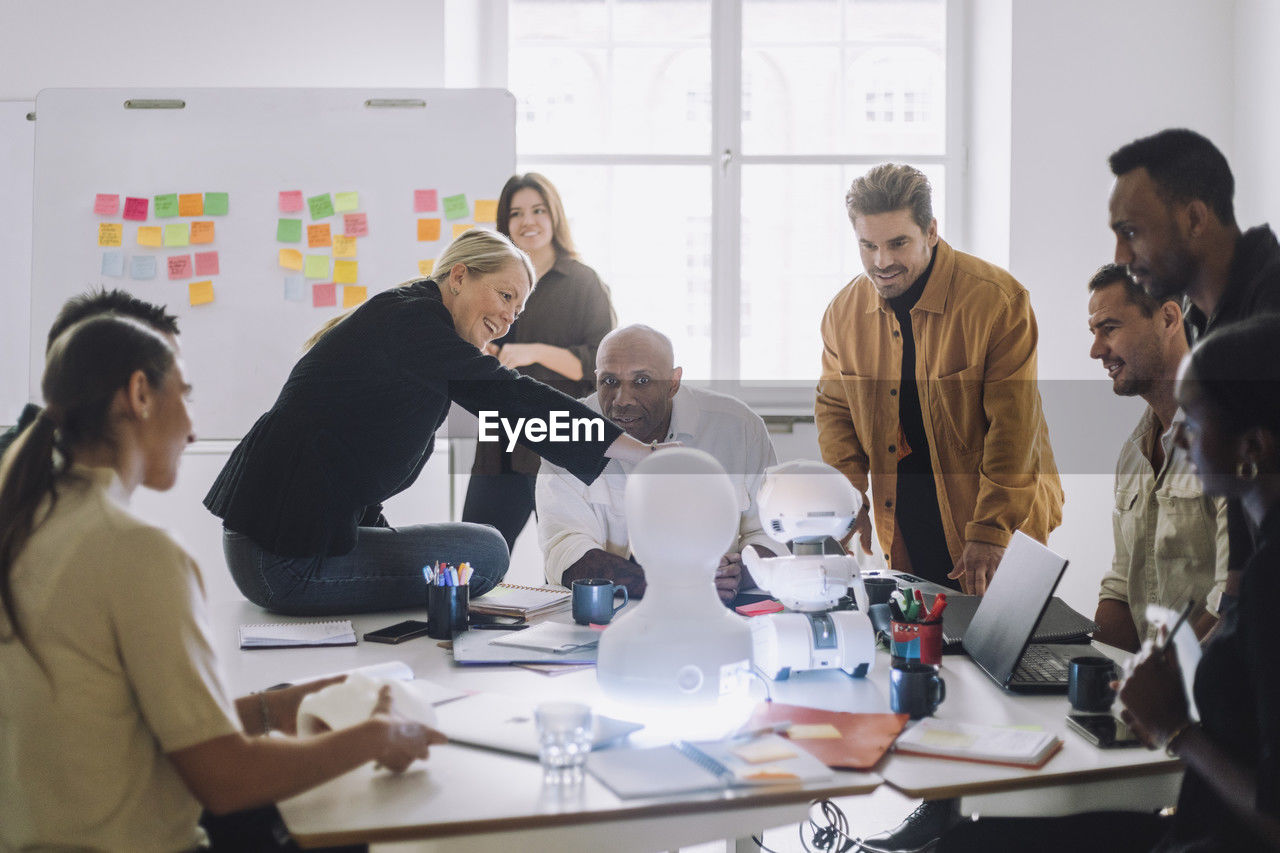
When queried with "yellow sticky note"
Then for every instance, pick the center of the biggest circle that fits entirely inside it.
(425, 267)
(317, 266)
(344, 246)
(148, 235)
(291, 259)
(459, 230)
(813, 731)
(177, 234)
(486, 210)
(200, 292)
(353, 295)
(428, 230)
(202, 232)
(110, 233)
(345, 272)
(345, 201)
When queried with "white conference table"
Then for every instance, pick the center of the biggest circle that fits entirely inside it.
(468, 799)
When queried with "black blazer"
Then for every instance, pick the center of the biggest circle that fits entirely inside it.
(356, 422)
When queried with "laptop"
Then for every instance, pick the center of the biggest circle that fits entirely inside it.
(998, 638)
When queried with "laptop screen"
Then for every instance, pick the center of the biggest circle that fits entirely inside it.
(1017, 596)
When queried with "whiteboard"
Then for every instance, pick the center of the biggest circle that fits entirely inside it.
(17, 149)
(253, 144)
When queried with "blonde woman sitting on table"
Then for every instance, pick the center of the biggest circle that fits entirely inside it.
(117, 727)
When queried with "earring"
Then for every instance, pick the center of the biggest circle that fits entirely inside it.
(1247, 471)
(455, 291)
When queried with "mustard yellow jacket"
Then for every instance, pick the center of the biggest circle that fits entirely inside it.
(975, 337)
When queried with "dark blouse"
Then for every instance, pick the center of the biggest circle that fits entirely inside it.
(1237, 688)
(356, 422)
(569, 308)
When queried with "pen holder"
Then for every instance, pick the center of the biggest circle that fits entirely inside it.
(447, 610)
(916, 641)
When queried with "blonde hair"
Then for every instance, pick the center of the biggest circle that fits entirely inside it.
(480, 251)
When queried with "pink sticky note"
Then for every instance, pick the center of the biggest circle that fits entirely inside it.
(291, 201)
(324, 295)
(206, 263)
(106, 204)
(355, 224)
(424, 201)
(136, 208)
(179, 267)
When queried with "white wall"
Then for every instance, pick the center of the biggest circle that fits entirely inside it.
(1257, 121)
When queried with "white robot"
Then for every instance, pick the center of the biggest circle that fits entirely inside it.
(804, 503)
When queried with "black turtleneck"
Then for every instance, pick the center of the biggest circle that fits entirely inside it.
(917, 514)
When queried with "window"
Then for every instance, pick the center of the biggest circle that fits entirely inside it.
(703, 149)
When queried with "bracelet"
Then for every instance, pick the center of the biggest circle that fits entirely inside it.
(266, 713)
(1179, 732)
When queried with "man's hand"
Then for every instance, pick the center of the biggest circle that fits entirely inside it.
(1155, 703)
(598, 563)
(729, 577)
(862, 530)
(978, 562)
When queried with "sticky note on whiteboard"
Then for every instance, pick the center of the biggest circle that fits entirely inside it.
(191, 204)
(456, 207)
(166, 206)
(177, 234)
(424, 201)
(291, 201)
(206, 263)
(113, 264)
(202, 231)
(346, 201)
(461, 228)
(215, 204)
(200, 292)
(425, 267)
(291, 259)
(179, 267)
(344, 246)
(353, 295)
(110, 234)
(355, 224)
(135, 209)
(321, 206)
(295, 288)
(318, 236)
(317, 266)
(486, 210)
(106, 204)
(428, 230)
(346, 272)
(324, 295)
(289, 231)
(142, 267)
(149, 235)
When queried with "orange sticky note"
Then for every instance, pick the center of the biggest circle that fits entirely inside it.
(486, 210)
(428, 230)
(460, 229)
(200, 292)
(291, 259)
(353, 295)
(344, 246)
(345, 272)
(110, 234)
(192, 204)
(318, 236)
(425, 267)
(148, 235)
(202, 232)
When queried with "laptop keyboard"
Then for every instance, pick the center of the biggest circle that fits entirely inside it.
(1041, 666)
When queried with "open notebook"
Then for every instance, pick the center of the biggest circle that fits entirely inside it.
(687, 766)
(509, 599)
(291, 635)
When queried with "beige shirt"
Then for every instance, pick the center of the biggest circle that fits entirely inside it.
(1170, 538)
(574, 518)
(116, 612)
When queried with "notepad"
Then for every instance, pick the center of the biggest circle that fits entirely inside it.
(985, 744)
(550, 637)
(509, 599)
(687, 766)
(290, 635)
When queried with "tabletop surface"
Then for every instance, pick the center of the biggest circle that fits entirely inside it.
(462, 790)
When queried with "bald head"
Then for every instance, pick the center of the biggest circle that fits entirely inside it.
(636, 379)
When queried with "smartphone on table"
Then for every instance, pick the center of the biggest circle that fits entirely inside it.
(1103, 730)
(398, 632)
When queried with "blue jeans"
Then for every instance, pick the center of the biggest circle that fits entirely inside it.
(383, 571)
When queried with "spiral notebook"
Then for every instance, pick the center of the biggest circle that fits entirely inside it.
(509, 599)
(293, 635)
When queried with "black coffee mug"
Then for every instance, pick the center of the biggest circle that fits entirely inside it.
(879, 589)
(447, 610)
(915, 689)
(593, 600)
(1089, 683)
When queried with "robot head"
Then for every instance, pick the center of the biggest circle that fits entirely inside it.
(805, 501)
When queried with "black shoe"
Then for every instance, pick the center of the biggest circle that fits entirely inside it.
(920, 831)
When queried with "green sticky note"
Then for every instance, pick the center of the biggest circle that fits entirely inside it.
(177, 234)
(166, 205)
(321, 206)
(215, 204)
(346, 201)
(289, 231)
(456, 207)
(317, 266)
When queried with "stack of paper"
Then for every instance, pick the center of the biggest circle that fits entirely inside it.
(289, 635)
(987, 744)
(509, 599)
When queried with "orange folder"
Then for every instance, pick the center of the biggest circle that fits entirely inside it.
(863, 741)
